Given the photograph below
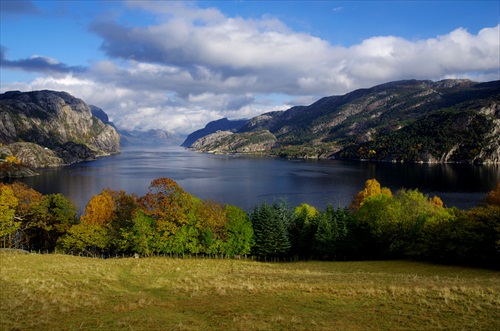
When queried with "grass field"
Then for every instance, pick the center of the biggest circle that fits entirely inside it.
(60, 292)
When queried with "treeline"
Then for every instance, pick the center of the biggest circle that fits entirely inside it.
(167, 220)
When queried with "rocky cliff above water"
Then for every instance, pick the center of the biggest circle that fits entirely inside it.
(406, 121)
(61, 125)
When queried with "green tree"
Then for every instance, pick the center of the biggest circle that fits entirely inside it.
(141, 237)
(186, 241)
(303, 230)
(86, 239)
(333, 234)
(270, 224)
(398, 225)
(240, 236)
(52, 217)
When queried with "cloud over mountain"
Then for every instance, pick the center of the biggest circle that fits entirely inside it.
(191, 65)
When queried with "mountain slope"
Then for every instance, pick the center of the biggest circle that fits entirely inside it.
(363, 124)
(56, 121)
(220, 125)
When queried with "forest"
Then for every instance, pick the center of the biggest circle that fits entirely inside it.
(378, 224)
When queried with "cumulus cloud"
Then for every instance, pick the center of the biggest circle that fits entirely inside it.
(195, 65)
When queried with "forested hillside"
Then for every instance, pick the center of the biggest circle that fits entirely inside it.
(379, 224)
(414, 121)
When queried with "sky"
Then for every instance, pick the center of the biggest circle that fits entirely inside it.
(178, 65)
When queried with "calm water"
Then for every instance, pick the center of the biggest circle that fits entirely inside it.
(248, 181)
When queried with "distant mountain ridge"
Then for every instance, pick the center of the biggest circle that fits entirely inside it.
(49, 128)
(452, 120)
(223, 124)
(153, 137)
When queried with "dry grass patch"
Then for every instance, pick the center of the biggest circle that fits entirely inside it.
(59, 292)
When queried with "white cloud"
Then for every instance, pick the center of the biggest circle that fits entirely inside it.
(197, 65)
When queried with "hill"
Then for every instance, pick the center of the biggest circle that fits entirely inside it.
(49, 128)
(407, 121)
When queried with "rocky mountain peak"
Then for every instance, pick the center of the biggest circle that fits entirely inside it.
(55, 121)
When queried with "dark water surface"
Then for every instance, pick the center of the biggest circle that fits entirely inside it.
(247, 181)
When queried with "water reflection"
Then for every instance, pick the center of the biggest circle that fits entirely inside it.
(247, 181)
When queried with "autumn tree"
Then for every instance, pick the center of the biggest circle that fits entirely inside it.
(436, 201)
(100, 210)
(493, 197)
(8, 223)
(169, 205)
(211, 216)
(125, 207)
(27, 199)
(372, 189)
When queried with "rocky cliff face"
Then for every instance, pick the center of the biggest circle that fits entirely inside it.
(222, 142)
(223, 124)
(404, 121)
(57, 122)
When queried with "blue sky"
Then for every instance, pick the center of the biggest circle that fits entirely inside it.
(178, 65)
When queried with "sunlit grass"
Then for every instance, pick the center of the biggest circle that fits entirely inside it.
(59, 292)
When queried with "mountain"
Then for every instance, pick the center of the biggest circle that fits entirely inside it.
(137, 137)
(49, 128)
(219, 125)
(406, 121)
(100, 114)
(152, 137)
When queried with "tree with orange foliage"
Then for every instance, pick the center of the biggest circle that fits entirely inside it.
(372, 189)
(436, 201)
(210, 221)
(493, 197)
(27, 198)
(169, 205)
(27, 213)
(99, 211)
(211, 216)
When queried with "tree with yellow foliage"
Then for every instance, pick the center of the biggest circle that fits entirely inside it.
(12, 159)
(372, 189)
(8, 223)
(100, 210)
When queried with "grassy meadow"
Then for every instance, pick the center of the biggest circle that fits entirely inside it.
(62, 292)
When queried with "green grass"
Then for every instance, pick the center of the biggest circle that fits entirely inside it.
(60, 292)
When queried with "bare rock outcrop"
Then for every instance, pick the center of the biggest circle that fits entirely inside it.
(60, 128)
